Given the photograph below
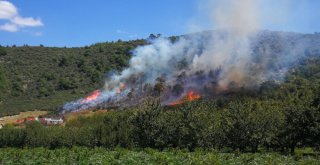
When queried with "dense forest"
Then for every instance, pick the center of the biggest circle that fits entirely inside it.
(43, 78)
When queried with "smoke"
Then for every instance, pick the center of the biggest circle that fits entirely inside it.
(239, 20)
(231, 51)
(237, 53)
(239, 17)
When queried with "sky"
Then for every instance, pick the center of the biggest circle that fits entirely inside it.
(75, 23)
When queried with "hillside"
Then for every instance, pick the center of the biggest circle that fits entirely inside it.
(38, 77)
(279, 115)
(44, 78)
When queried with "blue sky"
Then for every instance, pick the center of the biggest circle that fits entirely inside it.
(84, 22)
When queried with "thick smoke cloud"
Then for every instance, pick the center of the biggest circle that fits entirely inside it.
(230, 51)
(239, 20)
(236, 53)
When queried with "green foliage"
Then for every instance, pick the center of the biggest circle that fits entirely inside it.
(44, 88)
(82, 155)
(66, 84)
(10, 137)
(30, 73)
(277, 116)
(3, 52)
(250, 123)
(4, 84)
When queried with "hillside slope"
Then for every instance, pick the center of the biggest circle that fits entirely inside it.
(45, 77)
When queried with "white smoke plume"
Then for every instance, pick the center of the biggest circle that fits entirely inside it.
(231, 51)
(239, 20)
(237, 52)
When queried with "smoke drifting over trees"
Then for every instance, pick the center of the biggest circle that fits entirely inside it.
(237, 54)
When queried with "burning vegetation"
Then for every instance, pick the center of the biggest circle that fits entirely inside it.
(189, 68)
(191, 96)
(237, 56)
(91, 97)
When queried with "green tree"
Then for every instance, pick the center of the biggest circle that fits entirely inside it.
(12, 137)
(3, 80)
(45, 89)
(249, 124)
(117, 130)
(145, 128)
(301, 127)
(36, 135)
(66, 84)
(3, 52)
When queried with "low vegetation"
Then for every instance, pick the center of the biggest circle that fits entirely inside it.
(82, 155)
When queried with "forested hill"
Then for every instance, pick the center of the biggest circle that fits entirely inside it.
(43, 78)
(38, 77)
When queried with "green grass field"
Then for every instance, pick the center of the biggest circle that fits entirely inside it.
(82, 155)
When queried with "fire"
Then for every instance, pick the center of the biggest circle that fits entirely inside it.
(191, 96)
(95, 94)
(121, 88)
(91, 97)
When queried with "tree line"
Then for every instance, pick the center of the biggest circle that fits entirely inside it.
(275, 118)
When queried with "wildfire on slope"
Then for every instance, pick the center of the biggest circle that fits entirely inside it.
(191, 96)
(236, 55)
(95, 94)
(95, 98)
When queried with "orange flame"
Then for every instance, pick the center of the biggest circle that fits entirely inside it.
(191, 96)
(121, 88)
(91, 97)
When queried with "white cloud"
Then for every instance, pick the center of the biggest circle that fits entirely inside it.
(28, 21)
(9, 27)
(14, 22)
(7, 10)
